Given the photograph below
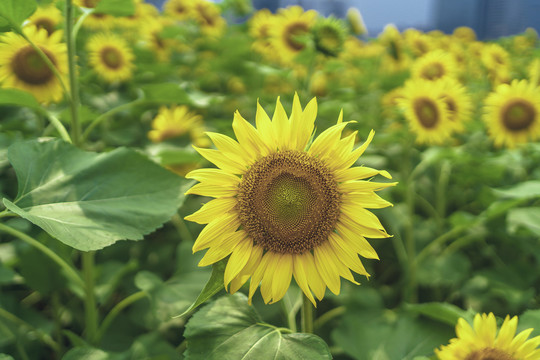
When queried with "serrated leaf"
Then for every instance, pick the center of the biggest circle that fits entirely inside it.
(18, 98)
(443, 312)
(528, 218)
(116, 7)
(527, 189)
(14, 12)
(88, 200)
(230, 329)
(212, 287)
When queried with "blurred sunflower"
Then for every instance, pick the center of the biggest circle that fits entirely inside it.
(259, 28)
(178, 9)
(177, 121)
(464, 34)
(111, 57)
(329, 35)
(457, 101)
(96, 20)
(209, 17)
(434, 65)
(418, 42)
(291, 28)
(21, 67)
(533, 71)
(46, 17)
(286, 207)
(396, 58)
(494, 57)
(512, 113)
(144, 13)
(482, 342)
(356, 22)
(426, 111)
(151, 38)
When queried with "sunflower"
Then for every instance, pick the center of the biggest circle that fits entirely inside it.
(434, 65)
(329, 35)
(512, 113)
(291, 28)
(22, 68)
(495, 57)
(143, 14)
(396, 59)
(356, 22)
(418, 42)
(177, 121)
(464, 34)
(259, 28)
(286, 207)
(46, 17)
(482, 342)
(457, 101)
(152, 38)
(178, 9)
(426, 111)
(208, 16)
(111, 57)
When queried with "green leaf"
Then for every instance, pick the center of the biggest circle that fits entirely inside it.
(166, 93)
(14, 12)
(443, 312)
(116, 7)
(5, 357)
(7, 275)
(527, 189)
(230, 329)
(88, 200)
(528, 218)
(18, 98)
(212, 287)
(530, 319)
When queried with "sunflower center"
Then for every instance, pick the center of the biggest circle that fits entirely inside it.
(292, 34)
(111, 57)
(45, 23)
(518, 115)
(489, 354)
(433, 71)
(288, 202)
(30, 67)
(451, 105)
(328, 41)
(426, 112)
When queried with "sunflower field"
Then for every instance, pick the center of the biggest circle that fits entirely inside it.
(194, 182)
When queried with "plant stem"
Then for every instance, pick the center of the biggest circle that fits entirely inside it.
(90, 308)
(59, 127)
(442, 185)
(116, 310)
(329, 315)
(73, 82)
(307, 315)
(70, 271)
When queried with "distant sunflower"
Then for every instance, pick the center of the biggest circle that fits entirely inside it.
(434, 65)
(209, 17)
(96, 20)
(46, 17)
(512, 113)
(152, 39)
(396, 58)
(495, 57)
(482, 342)
(286, 207)
(143, 14)
(464, 34)
(177, 121)
(329, 35)
(533, 71)
(259, 28)
(111, 57)
(418, 42)
(356, 22)
(457, 101)
(426, 111)
(291, 28)
(178, 9)
(22, 68)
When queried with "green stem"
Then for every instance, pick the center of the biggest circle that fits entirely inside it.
(73, 82)
(182, 228)
(116, 310)
(307, 315)
(46, 339)
(70, 272)
(90, 308)
(442, 186)
(59, 127)
(410, 242)
(329, 315)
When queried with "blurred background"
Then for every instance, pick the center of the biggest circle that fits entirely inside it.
(489, 18)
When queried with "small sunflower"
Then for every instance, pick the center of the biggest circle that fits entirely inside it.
(457, 101)
(356, 22)
(152, 39)
(482, 342)
(22, 68)
(144, 13)
(292, 26)
(178, 9)
(396, 59)
(426, 111)
(259, 28)
(177, 121)
(418, 42)
(286, 207)
(209, 17)
(329, 35)
(495, 57)
(434, 65)
(111, 57)
(46, 17)
(96, 20)
(464, 34)
(512, 113)
(534, 72)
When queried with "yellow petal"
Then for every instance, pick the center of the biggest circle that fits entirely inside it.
(264, 128)
(268, 277)
(348, 256)
(295, 122)
(300, 275)
(221, 161)
(212, 210)
(308, 123)
(359, 172)
(343, 270)
(327, 270)
(363, 228)
(257, 276)
(216, 229)
(213, 176)
(362, 216)
(280, 126)
(247, 270)
(239, 258)
(248, 137)
(351, 159)
(231, 149)
(356, 242)
(368, 200)
(223, 248)
(363, 186)
(282, 277)
(211, 190)
(326, 141)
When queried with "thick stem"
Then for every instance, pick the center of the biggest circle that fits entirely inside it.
(307, 315)
(90, 308)
(73, 82)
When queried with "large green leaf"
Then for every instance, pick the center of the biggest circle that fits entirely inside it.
(230, 329)
(88, 200)
(14, 12)
(528, 218)
(18, 98)
(526, 189)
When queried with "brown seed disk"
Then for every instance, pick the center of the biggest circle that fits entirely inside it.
(288, 202)
(489, 354)
(518, 115)
(111, 57)
(29, 67)
(426, 111)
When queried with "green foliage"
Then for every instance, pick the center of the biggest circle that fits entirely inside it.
(116, 7)
(14, 12)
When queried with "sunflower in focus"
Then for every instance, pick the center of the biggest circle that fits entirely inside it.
(111, 57)
(286, 207)
(176, 121)
(457, 101)
(21, 67)
(46, 17)
(292, 26)
(483, 342)
(512, 113)
(434, 65)
(426, 111)
(329, 35)
(208, 16)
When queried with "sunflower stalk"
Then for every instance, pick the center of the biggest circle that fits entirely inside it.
(307, 315)
(73, 82)
(91, 313)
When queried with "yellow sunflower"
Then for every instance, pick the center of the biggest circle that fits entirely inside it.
(534, 72)
(464, 34)
(495, 57)
(111, 57)
(177, 121)
(151, 38)
(356, 22)
(292, 26)
(22, 68)
(483, 342)
(329, 35)
(418, 42)
(395, 58)
(426, 111)
(209, 17)
(178, 9)
(46, 17)
(457, 101)
(259, 28)
(285, 206)
(434, 65)
(512, 113)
